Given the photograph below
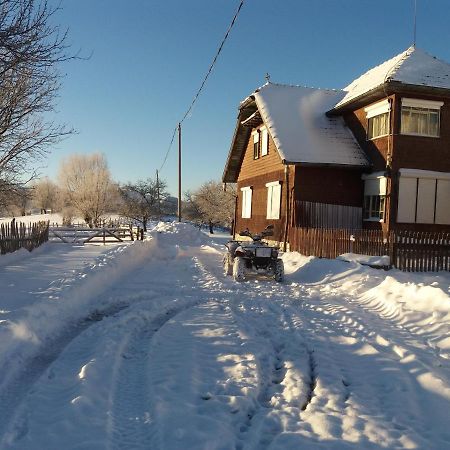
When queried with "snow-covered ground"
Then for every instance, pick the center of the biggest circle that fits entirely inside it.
(149, 345)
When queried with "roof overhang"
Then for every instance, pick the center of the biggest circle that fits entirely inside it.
(384, 90)
(239, 142)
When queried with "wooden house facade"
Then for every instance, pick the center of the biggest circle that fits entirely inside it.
(375, 155)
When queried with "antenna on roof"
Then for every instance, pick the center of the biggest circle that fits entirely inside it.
(268, 77)
(415, 24)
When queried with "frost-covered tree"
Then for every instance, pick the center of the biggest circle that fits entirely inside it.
(86, 185)
(45, 195)
(144, 199)
(212, 204)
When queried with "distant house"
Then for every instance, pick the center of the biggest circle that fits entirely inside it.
(373, 155)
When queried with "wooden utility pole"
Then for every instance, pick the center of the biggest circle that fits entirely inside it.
(179, 172)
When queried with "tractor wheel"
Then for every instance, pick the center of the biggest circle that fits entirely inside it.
(239, 269)
(227, 265)
(278, 272)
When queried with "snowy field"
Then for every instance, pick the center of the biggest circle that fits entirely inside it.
(149, 345)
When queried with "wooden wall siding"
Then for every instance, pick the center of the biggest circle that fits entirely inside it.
(322, 215)
(258, 220)
(252, 168)
(418, 152)
(376, 149)
(329, 185)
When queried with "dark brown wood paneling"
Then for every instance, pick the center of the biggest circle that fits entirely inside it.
(252, 168)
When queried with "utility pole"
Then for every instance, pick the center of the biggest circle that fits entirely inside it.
(158, 195)
(179, 172)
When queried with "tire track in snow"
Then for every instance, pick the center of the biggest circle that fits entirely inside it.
(15, 391)
(130, 424)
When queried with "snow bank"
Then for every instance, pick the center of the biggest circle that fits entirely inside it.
(420, 301)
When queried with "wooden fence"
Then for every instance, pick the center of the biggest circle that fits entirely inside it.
(421, 251)
(14, 236)
(330, 243)
(408, 250)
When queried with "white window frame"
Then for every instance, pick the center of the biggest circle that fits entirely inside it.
(264, 148)
(422, 107)
(379, 109)
(256, 142)
(375, 186)
(273, 200)
(246, 212)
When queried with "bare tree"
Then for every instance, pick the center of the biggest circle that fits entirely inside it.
(45, 195)
(30, 50)
(144, 199)
(212, 204)
(86, 185)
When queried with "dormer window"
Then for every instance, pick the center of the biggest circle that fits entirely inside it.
(378, 119)
(256, 144)
(420, 117)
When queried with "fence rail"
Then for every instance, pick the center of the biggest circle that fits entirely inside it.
(407, 250)
(14, 236)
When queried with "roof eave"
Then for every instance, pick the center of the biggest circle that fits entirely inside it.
(384, 90)
(240, 137)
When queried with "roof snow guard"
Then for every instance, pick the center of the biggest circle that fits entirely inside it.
(296, 120)
(411, 67)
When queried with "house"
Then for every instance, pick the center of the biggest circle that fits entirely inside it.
(374, 155)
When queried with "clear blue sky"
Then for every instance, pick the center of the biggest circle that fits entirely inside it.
(149, 57)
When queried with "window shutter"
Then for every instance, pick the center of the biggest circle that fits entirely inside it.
(406, 210)
(425, 200)
(264, 142)
(246, 202)
(443, 202)
(273, 200)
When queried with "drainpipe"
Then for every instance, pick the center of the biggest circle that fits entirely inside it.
(288, 209)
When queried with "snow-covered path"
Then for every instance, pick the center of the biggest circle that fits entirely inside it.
(150, 346)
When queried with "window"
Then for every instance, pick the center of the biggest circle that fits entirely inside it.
(256, 146)
(246, 202)
(374, 196)
(420, 117)
(374, 207)
(264, 141)
(378, 119)
(423, 197)
(273, 200)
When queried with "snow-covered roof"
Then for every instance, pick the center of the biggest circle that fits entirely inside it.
(295, 117)
(413, 66)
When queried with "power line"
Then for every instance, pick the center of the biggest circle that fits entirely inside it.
(168, 149)
(208, 73)
(213, 62)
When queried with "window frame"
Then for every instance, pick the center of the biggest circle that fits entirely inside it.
(374, 112)
(424, 107)
(370, 206)
(256, 144)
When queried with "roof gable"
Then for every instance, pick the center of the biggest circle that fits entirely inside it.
(413, 67)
